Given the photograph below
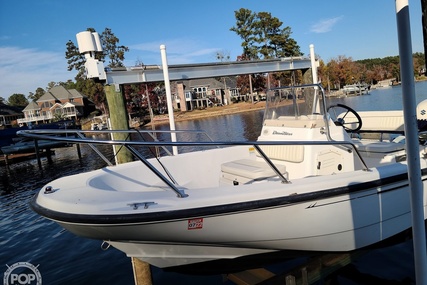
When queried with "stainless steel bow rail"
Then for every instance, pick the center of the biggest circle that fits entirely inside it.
(79, 137)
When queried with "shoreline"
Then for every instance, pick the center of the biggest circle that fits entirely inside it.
(209, 112)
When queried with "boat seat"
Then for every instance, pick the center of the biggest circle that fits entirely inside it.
(378, 125)
(245, 170)
(378, 147)
(386, 121)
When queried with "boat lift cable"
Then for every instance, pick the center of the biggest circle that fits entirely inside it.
(80, 135)
(121, 146)
(157, 157)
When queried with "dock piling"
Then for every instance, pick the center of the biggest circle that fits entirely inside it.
(79, 152)
(119, 121)
(141, 272)
(36, 149)
(49, 155)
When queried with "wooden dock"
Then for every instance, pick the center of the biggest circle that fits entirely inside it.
(9, 159)
(20, 157)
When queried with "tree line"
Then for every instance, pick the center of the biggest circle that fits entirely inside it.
(343, 70)
(263, 37)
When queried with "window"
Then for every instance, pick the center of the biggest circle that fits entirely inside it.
(47, 105)
(200, 92)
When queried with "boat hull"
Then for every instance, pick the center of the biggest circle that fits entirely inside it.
(354, 211)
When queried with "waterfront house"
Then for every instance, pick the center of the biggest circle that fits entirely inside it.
(202, 93)
(57, 103)
(9, 115)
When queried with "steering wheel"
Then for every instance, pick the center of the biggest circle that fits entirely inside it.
(339, 112)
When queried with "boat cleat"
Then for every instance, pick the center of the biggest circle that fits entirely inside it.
(135, 206)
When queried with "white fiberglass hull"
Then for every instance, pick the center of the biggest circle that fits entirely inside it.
(350, 211)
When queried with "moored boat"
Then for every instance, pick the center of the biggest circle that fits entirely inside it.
(9, 137)
(26, 146)
(356, 89)
(318, 179)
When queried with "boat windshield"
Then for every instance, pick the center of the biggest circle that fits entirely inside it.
(295, 101)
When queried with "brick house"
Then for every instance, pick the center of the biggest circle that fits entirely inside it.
(57, 102)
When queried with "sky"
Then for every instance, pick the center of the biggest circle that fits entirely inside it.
(33, 34)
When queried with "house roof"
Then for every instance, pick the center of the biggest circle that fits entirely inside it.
(231, 82)
(211, 83)
(75, 93)
(9, 110)
(56, 106)
(73, 104)
(59, 93)
(47, 96)
(32, 106)
(201, 82)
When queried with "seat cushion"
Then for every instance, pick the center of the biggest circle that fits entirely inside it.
(250, 168)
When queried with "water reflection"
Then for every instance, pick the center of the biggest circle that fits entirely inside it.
(243, 126)
(27, 175)
(237, 127)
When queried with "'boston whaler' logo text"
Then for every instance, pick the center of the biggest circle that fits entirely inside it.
(283, 133)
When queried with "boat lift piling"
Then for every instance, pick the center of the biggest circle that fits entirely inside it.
(118, 118)
(411, 134)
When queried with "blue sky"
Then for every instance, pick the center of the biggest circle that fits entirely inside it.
(33, 34)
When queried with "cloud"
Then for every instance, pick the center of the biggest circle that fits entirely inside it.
(24, 70)
(325, 25)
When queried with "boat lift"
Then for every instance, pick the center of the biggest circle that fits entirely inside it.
(89, 43)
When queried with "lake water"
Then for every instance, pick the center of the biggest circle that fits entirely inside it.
(63, 258)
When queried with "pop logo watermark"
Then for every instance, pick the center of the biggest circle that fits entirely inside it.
(22, 273)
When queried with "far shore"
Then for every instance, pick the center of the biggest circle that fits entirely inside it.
(209, 112)
(234, 108)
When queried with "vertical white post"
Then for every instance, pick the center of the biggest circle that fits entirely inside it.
(313, 64)
(412, 144)
(112, 138)
(168, 96)
(316, 108)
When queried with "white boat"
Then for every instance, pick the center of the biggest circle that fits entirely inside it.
(25, 146)
(356, 89)
(312, 182)
(99, 123)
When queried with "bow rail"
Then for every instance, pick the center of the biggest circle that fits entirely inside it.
(98, 138)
